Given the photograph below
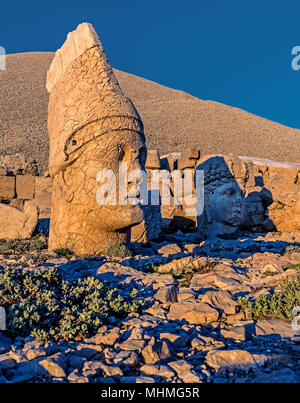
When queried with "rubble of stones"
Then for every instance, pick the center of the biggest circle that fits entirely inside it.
(192, 328)
(192, 333)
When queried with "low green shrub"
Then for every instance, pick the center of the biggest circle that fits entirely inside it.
(118, 250)
(269, 273)
(277, 306)
(185, 274)
(64, 252)
(43, 305)
(291, 249)
(292, 266)
(18, 245)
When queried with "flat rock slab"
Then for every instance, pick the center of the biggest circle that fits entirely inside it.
(222, 360)
(170, 249)
(55, 365)
(194, 312)
(230, 359)
(222, 300)
(276, 328)
(114, 272)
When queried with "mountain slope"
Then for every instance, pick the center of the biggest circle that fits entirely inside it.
(173, 119)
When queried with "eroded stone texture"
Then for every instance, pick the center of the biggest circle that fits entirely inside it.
(92, 126)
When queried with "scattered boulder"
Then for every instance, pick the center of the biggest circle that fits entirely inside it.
(221, 300)
(276, 328)
(230, 359)
(168, 250)
(156, 351)
(237, 333)
(166, 294)
(55, 365)
(190, 376)
(158, 370)
(76, 377)
(193, 312)
(15, 224)
(108, 338)
(180, 366)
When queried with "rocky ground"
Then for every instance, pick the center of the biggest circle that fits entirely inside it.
(192, 327)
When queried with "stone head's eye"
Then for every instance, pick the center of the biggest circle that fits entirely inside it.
(74, 142)
(228, 192)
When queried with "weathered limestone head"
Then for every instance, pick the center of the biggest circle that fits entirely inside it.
(224, 181)
(92, 127)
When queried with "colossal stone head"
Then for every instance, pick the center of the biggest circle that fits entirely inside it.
(92, 127)
(224, 205)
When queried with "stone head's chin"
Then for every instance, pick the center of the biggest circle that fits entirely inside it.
(122, 218)
(235, 218)
(135, 215)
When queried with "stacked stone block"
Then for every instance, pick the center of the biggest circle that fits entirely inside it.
(20, 183)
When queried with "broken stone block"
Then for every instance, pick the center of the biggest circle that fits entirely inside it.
(15, 224)
(188, 158)
(17, 164)
(159, 370)
(237, 333)
(170, 249)
(42, 185)
(230, 359)
(55, 365)
(43, 204)
(180, 366)
(150, 228)
(7, 187)
(166, 294)
(156, 351)
(25, 186)
(190, 376)
(221, 300)
(193, 312)
(184, 163)
(153, 160)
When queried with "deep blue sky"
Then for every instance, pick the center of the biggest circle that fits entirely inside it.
(237, 52)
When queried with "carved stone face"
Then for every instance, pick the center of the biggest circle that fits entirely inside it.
(224, 203)
(80, 178)
(227, 204)
(92, 127)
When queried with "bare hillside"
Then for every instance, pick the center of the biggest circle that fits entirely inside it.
(173, 119)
